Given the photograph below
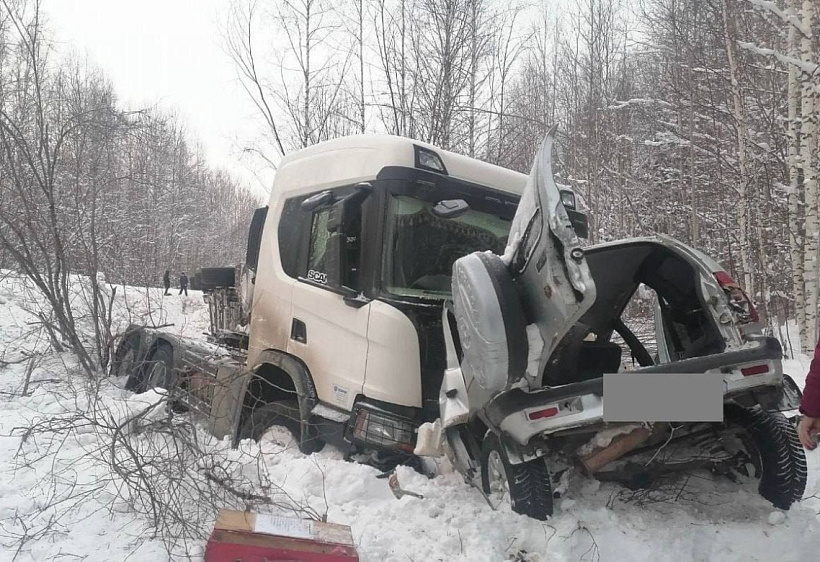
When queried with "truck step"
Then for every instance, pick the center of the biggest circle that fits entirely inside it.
(330, 413)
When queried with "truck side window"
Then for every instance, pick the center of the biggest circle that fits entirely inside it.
(318, 241)
(333, 257)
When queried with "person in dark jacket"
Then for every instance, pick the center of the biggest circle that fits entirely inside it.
(166, 281)
(809, 429)
(183, 284)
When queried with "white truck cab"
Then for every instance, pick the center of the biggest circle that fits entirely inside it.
(353, 268)
(346, 274)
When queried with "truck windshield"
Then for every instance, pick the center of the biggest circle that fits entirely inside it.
(421, 247)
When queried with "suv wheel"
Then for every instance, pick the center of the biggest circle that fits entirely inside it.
(776, 453)
(526, 485)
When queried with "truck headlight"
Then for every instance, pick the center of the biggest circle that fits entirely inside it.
(383, 429)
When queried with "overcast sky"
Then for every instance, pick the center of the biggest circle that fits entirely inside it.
(167, 52)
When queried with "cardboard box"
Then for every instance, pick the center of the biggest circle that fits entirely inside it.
(240, 536)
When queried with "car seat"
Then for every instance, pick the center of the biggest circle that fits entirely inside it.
(575, 359)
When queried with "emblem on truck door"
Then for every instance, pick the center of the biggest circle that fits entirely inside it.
(340, 394)
(317, 277)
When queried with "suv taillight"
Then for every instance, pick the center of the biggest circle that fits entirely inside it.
(738, 299)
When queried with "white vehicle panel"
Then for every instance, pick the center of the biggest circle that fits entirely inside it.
(336, 348)
(393, 357)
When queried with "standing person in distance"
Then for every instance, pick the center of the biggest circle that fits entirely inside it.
(183, 284)
(809, 429)
(166, 281)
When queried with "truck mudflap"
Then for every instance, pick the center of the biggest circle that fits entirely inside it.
(523, 415)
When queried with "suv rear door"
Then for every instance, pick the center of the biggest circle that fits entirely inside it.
(549, 262)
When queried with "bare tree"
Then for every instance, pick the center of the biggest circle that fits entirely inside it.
(808, 152)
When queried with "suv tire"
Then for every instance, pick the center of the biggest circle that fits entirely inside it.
(528, 483)
(776, 450)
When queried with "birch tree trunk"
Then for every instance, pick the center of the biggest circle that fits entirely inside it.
(473, 71)
(306, 132)
(744, 180)
(796, 235)
(360, 39)
(808, 144)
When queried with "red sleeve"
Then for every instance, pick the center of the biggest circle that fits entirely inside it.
(810, 405)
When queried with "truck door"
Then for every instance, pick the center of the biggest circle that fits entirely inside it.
(328, 328)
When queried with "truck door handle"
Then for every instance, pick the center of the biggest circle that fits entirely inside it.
(298, 331)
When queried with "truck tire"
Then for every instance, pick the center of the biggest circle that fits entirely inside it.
(159, 369)
(776, 452)
(125, 358)
(526, 485)
(284, 413)
(216, 277)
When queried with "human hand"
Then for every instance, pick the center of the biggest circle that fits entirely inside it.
(809, 431)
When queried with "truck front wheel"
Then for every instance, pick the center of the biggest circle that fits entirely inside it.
(525, 485)
(283, 413)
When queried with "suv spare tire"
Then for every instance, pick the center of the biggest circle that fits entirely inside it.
(491, 324)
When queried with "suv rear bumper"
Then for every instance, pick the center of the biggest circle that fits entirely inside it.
(523, 415)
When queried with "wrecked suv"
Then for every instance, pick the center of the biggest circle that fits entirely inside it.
(537, 340)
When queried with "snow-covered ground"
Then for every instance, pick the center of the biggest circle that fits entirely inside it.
(60, 503)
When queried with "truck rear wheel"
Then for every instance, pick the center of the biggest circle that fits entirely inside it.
(526, 485)
(125, 358)
(776, 453)
(158, 371)
(283, 413)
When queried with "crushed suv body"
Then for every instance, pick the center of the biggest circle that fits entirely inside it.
(531, 346)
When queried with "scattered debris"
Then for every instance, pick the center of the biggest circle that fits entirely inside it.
(242, 535)
(393, 482)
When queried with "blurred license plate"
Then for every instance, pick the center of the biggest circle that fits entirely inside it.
(672, 397)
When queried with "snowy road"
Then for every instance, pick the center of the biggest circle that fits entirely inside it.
(73, 518)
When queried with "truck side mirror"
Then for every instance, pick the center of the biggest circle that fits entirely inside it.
(255, 237)
(341, 210)
(335, 267)
(315, 201)
(341, 253)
